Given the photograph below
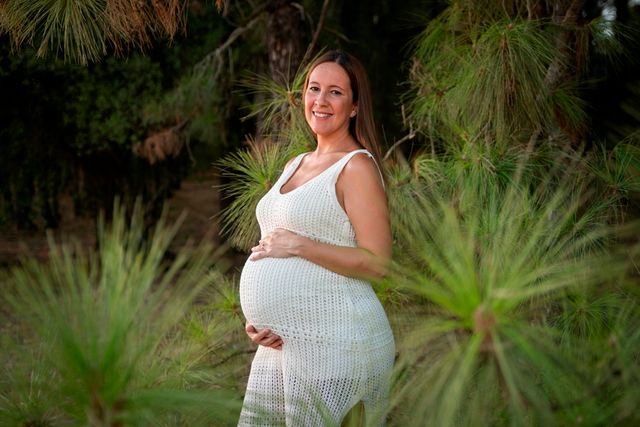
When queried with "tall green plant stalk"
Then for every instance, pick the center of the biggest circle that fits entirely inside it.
(105, 330)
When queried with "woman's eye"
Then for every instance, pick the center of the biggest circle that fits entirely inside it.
(313, 89)
(336, 92)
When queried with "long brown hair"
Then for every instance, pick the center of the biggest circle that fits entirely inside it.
(361, 126)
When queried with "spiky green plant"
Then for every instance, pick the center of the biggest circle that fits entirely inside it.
(490, 165)
(491, 82)
(279, 105)
(621, 373)
(618, 172)
(104, 329)
(611, 352)
(493, 264)
(215, 328)
(82, 31)
(504, 229)
(505, 71)
(250, 174)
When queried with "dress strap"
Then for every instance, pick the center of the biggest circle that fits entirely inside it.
(289, 170)
(345, 159)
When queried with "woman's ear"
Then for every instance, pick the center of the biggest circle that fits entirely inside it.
(354, 111)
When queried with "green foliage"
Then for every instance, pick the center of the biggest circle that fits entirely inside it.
(498, 71)
(107, 102)
(507, 235)
(489, 82)
(70, 129)
(100, 336)
(618, 169)
(495, 262)
(280, 105)
(75, 29)
(196, 98)
(83, 31)
(251, 174)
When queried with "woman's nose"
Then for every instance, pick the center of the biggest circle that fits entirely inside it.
(321, 98)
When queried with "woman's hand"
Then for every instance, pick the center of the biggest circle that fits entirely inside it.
(280, 243)
(361, 193)
(263, 337)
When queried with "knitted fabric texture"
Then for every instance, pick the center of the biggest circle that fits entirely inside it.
(338, 347)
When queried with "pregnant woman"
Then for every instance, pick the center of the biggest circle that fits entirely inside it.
(324, 340)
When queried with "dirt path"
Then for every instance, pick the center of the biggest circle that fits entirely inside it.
(196, 196)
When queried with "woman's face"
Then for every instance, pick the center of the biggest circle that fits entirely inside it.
(328, 100)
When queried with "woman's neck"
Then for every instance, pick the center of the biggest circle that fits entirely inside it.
(334, 143)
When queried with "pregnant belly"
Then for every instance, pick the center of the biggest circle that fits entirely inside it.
(297, 298)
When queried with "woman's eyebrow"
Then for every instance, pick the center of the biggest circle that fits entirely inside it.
(316, 83)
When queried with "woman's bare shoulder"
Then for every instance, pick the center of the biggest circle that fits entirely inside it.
(362, 168)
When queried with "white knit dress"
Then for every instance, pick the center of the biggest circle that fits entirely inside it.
(338, 348)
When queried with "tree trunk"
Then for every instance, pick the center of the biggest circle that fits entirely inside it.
(286, 39)
(566, 64)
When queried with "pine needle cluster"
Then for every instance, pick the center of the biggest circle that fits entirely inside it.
(100, 338)
(83, 31)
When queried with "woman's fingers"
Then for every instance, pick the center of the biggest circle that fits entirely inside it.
(259, 251)
(272, 341)
(264, 337)
(276, 244)
(260, 335)
(276, 344)
(269, 340)
(257, 255)
(259, 247)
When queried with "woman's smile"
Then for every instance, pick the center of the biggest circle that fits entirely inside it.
(320, 115)
(328, 101)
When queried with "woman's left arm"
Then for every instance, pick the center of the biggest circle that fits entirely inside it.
(360, 191)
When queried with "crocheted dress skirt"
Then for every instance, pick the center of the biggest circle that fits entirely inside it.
(338, 348)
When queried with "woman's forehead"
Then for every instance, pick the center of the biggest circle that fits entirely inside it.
(329, 73)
